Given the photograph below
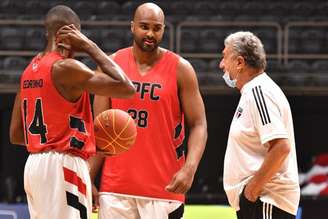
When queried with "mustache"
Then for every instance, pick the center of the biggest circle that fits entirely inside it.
(149, 39)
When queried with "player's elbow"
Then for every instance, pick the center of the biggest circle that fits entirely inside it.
(282, 146)
(203, 127)
(13, 137)
(129, 90)
(200, 125)
(285, 149)
(206, 133)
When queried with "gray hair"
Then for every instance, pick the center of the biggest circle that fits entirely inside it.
(249, 46)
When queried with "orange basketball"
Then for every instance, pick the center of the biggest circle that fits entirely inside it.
(115, 131)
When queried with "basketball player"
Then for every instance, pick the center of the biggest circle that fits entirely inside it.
(260, 166)
(52, 117)
(150, 180)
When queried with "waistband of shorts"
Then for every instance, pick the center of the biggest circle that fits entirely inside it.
(139, 197)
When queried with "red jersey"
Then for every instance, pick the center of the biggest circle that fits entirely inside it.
(148, 167)
(50, 121)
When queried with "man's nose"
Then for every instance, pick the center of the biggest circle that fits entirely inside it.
(150, 34)
(221, 64)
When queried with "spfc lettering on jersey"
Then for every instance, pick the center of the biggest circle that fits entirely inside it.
(239, 112)
(142, 88)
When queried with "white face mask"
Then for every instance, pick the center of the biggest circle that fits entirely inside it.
(228, 81)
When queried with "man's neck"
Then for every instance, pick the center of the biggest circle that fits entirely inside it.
(247, 76)
(51, 45)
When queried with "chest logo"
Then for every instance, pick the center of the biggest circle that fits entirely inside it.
(34, 67)
(239, 112)
(147, 89)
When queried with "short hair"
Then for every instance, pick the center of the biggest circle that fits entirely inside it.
(249, 46)
(59, 16)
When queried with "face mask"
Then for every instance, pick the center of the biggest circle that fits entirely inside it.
(228, 81)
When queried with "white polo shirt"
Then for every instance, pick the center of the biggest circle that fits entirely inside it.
(263, 114)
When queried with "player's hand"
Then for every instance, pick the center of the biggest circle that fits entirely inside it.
(71, 38)
(252, 190)
(181, 181)
(95, 199)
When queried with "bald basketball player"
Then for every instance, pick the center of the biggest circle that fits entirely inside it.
(52, 118)
(151, 179)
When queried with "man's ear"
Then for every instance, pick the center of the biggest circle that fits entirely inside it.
(132, 26)
(240, 61)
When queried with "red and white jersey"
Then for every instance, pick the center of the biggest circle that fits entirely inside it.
(148, 167)
(50, 121)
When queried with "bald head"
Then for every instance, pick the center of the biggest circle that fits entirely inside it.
(149, 11)
(59, 16)
(148, 27)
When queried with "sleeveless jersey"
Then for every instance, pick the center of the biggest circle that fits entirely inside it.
(148, 167)
(50, 121)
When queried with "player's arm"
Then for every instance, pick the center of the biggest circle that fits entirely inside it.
(194, 111)
(100, 104)
(95, 164)
(73, 77)
(113, 82)
(274, 137)
(16, 125)
(279, 149)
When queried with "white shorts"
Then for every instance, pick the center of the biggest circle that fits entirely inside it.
(116, 206)
(57, 186)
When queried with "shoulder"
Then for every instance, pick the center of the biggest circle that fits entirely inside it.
(264, 98)
(186, 75)
(65, 70)
(113, 55)
(66, 64)
(121, 52)
(262, 84)
(184, 66)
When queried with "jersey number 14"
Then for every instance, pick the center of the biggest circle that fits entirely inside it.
(37, 126)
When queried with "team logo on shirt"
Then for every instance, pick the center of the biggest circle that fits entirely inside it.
(34, 67)
(142, 88)
(239, 112)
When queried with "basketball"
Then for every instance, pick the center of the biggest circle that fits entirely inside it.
(115, 131)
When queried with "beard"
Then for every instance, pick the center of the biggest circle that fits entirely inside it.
(144, 46)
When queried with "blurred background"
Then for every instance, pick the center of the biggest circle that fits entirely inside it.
(294, 34)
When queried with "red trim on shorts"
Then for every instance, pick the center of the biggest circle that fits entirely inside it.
(71, 177)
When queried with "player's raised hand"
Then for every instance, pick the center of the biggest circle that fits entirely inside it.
(181, 181)
(71, 38)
